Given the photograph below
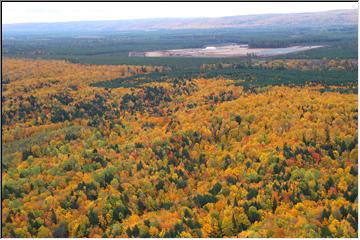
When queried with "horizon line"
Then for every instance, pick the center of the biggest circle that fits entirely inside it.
(183, 18)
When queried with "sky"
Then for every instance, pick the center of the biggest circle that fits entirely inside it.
(26, 12)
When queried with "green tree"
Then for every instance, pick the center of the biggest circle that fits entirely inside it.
(93, 218)
(253, 214)
(215, 189)
(61, 231)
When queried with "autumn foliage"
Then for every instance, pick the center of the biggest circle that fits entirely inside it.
(181, 158)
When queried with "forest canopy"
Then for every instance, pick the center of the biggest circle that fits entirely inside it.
(246, 149)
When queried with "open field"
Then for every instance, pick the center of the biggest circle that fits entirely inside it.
(224, 51)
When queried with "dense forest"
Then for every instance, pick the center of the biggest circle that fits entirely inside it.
(247, 148)
(99, 143)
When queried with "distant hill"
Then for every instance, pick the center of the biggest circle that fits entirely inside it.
(317, 19)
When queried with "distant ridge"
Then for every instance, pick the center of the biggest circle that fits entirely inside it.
(315, 19)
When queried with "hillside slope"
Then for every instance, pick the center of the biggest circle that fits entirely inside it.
(318, 19)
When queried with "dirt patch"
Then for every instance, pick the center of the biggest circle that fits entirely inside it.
(224, 51)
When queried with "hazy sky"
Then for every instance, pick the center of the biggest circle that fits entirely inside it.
(14, 12)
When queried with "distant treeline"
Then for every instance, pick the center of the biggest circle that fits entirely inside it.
(247, 77)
